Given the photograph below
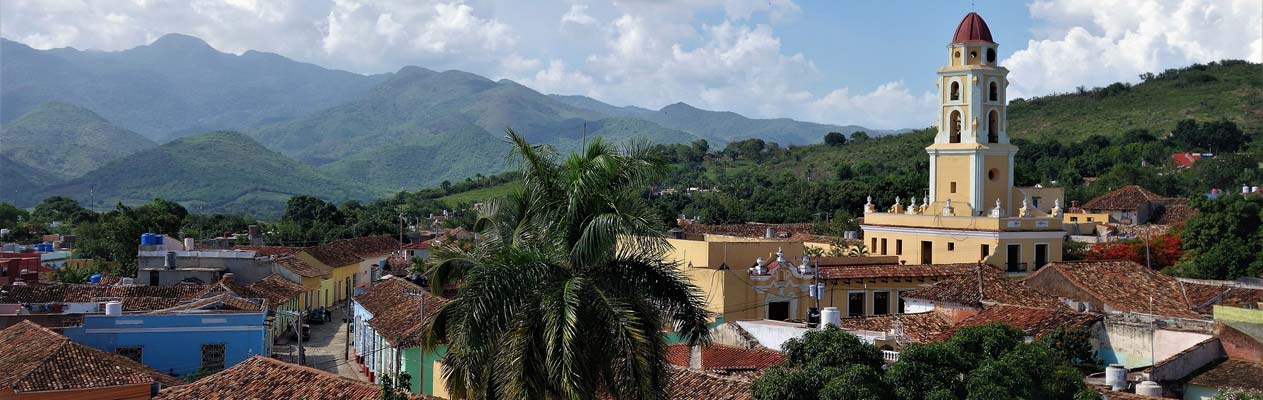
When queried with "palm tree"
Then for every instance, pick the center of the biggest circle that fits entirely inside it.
(858, 251)
(565, 295)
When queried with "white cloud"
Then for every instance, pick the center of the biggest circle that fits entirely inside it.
(578, 15)
(1093, 43)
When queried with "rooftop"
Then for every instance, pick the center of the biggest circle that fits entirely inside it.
(894, 271)
(1232, 374)
(270, 251)
(972, 29)
(264, 378)
(693, 385)
(1032, 321)
(920, 327)
(134, 298)
(399, 307)
(1125, 286)
(302, 268)
(726, 359)
(1127, 197)
(987, 284)
(35, 359)
(350, 251)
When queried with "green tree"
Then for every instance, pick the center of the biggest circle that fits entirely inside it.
(1223, 241)
(308, 209)
(565, 293)
(829, 364)
(10, 215)
(834, 139)
(62, 209)
(859, 136)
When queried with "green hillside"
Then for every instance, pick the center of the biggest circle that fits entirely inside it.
(212, 172)
(1231, 90)
(66, 140)
(19, 183)
(423, 127)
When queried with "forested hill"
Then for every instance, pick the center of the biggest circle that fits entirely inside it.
(1231, 90)
(212, 172)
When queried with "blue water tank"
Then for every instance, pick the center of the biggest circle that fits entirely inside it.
(95, 278)
(146, 239)
(157, 239)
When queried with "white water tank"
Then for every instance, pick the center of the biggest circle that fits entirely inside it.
(830, 316)
(113, 309)
(188, 244)
(1149, 388)
(1116, 377)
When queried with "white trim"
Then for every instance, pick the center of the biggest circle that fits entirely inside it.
(964, 233)
(177, 329)
(976, 200)
(933, 178)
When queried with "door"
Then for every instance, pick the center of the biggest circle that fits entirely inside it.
(1041, 255)
(778, 310)
(927, 252)
(1013, 259)
(855, 304)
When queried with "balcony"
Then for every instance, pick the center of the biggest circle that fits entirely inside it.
(1013, 268)
(890, 356)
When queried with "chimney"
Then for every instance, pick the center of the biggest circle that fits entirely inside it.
(695, 357)
(771, 233)
(169, 260)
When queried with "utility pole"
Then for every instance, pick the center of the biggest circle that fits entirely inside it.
(298, 331)
(346, 351)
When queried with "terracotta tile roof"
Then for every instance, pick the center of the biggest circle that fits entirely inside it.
(1033, 321)
(35, 359)
(1124, 286)
(693, 385)
(1204, 294)
(218, 304)
(1126, 198)
(275, 288)
(264, 378)
(1110, 394)
(422, 245)
(1232, 374)
(996, 287)
(134, 298)
(781, 231)
(399, 307)
(302, 268)
(718, 357)
(921, 327)
(893, 271)
(270, 251)
(350, 251)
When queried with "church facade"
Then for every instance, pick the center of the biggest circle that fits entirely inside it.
(971, 211)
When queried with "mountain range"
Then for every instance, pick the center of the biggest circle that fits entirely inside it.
(73, 120)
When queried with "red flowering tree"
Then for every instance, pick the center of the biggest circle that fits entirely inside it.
(1164, 250)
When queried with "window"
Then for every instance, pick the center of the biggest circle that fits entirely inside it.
(992, 173)
(993, 93)
(873, 247)
(927, 252)
(954, 128)
(153, 278)
(951, 246)
(212, 357)
(1074, 219)
(953, 190)
(1035, 202)
(1041, 255)
(778, 310)
(1089, 219)
(973, 55)
(991, 56)
(883, 247)
(131, 352)
(855, 304)
(898, 247)
(881, 303)
(986, 251)
(955, 91)
(993, 127)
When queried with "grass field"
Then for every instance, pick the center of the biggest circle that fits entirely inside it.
(478, 195)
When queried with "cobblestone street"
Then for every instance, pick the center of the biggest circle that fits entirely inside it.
(325, 348)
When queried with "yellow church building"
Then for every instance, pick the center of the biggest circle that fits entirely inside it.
(972, 212)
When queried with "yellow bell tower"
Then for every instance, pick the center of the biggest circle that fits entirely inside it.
(971, 160)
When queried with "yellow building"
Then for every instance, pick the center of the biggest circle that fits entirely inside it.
(972, 212)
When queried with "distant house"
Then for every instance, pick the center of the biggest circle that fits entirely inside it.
(37, 363)
(724, 360)
(1186, 159)
(387, 319)
(264, 378)
(205, 335)
(1129, 205)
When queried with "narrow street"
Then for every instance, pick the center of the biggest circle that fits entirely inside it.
(325, 348)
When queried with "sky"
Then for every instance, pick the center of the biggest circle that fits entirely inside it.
(869, 63)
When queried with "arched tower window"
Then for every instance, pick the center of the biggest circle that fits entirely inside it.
(955, 126)
(993, 126)
(994, 92)
(990, 56)
(955, 91)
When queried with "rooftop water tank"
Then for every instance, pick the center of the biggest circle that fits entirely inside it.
(146, 239)
(157, 239)
(1116, 377)
(830, 316)
(113, 309)
(94, 279)
(1149, 388)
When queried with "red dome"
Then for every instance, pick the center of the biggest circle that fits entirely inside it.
(972, 29)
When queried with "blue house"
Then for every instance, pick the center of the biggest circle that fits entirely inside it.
(206, 335)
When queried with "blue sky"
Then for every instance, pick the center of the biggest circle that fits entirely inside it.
(862, 62)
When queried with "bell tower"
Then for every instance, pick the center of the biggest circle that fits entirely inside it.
(971, 160)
